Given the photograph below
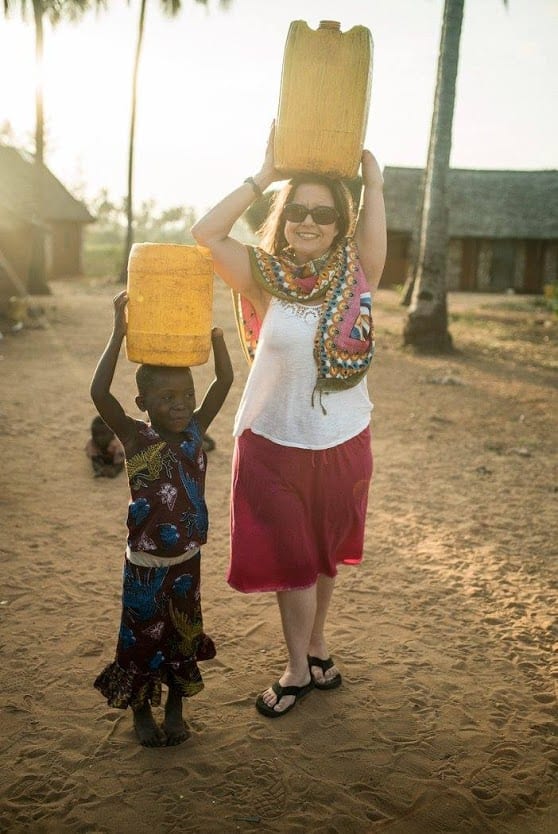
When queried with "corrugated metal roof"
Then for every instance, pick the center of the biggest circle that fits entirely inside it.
(489, 204)
(16, 190)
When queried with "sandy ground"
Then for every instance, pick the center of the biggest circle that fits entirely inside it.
(446, 722)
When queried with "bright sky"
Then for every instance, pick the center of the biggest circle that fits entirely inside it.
(209, 85)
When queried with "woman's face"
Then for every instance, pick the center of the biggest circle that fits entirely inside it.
(307, 238)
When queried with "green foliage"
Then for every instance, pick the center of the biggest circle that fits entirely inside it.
(103, 240)
(101, 259)
(551, 296)
(256, 213)
(55, 10)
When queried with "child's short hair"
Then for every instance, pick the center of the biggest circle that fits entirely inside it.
(147, 374)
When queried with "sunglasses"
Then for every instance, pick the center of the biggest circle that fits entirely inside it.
(322, 215)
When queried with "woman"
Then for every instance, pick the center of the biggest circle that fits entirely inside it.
(302, 462)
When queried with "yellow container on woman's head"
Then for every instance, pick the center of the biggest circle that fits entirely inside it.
(324, 100)
(170, 297)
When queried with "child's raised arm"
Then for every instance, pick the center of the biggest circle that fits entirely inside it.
(219, 388)
(106, 404)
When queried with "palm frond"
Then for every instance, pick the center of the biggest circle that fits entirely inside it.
(171, 7)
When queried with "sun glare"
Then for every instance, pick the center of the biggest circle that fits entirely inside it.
(209, 82)
(17, 91)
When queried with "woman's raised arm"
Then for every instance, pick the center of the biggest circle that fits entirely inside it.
(370, 233)
(231, 259)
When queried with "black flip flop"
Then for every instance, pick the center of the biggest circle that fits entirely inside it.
(324, 665)
(297, 691)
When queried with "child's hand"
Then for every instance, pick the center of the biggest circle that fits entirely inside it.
(120, 301)
(223, 367)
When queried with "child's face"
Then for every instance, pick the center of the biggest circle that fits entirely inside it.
(169, 400)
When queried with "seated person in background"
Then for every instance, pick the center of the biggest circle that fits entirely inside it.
(208, 443)
(104, 450)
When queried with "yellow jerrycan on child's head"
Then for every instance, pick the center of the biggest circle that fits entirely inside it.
(170, 297)
(324, 100)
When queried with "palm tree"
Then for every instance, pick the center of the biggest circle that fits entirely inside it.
(54, 10)
(427, 322)
(426, 326)
(170, 7)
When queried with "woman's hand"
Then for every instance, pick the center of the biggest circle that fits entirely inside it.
(371, 173)
(268, 172)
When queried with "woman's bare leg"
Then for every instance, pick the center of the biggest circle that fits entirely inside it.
(298, 612)
(317, 645)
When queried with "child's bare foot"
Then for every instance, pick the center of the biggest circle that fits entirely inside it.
(175, 729)
(147, 731)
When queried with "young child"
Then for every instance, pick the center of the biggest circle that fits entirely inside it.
(104, 450)
(161, 634)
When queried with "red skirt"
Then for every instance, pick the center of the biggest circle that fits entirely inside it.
(296, 513)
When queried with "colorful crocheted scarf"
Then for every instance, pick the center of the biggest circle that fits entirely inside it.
(344, 341)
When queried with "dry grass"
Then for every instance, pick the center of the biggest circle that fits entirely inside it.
(520, 329)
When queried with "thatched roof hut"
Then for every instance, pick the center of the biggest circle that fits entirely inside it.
(60, 214)
(503, 227)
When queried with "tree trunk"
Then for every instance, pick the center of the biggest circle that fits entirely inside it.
(426, 326)
(130, 203)
(409, 285)
(37, 284)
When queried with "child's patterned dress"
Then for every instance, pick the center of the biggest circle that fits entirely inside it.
(161, 633)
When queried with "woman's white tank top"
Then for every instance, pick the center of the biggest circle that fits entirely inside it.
(277, 399)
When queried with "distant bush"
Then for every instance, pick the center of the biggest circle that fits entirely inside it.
(103, 241)
(101, 259)
(551, 296)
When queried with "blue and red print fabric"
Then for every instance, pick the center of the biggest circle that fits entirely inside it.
(167, 514)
